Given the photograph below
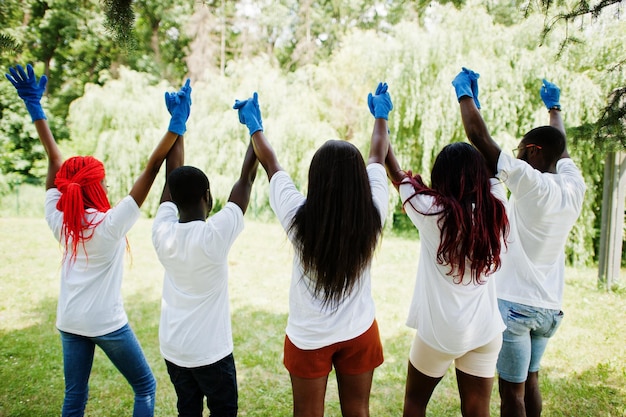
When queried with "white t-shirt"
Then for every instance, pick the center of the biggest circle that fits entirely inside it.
(310, 325)
(542, 209)
(195, 328)
(90, 300)
(449, 317)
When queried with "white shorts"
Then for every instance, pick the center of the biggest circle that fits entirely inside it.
(480, 362)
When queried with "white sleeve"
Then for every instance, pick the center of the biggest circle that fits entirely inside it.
(166, 214)
(380, 189)
(498, 190)
(519, 176)
(54, 217)
(285, 199)
(573, 181)
(222, 230)
(122, 217)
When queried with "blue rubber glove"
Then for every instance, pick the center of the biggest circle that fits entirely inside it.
(474, 76)
(380, 103)
(179, 106)
(466, 85)
(250, 113)
(29, 89)
(550, 94)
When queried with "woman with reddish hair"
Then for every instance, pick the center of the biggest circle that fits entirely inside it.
(90, 309)
(462, 223)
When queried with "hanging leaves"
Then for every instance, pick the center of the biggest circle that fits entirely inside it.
(120, 20)
(9, 45)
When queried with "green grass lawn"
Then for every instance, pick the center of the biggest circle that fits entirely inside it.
(583, 374)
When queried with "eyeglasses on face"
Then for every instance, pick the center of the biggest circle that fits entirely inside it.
(522, 147)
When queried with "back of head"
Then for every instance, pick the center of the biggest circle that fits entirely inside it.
(551, 140)
(337, 228)
(188, 185)
(79, 180)
(472, 220)
(458, 168)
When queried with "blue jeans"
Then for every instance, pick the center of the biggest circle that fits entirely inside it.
(524, 341)
(123, 349)
(217, 382)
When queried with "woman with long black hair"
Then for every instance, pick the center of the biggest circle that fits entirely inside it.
(334, 230)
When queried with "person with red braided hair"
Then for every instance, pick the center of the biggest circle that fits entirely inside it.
(90, 310)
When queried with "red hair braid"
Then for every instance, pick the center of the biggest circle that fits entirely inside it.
(79, 182)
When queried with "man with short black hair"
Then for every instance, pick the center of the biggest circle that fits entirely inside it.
(547, 191)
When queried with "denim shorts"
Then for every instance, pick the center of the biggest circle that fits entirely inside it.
(524, 341)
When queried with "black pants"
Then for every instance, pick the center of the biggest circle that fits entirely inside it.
(217, 382)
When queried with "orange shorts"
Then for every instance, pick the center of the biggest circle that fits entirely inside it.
(351, 357)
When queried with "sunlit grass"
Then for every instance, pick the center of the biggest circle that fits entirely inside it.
(584, 371)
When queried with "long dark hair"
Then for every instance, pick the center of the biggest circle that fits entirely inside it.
(337, 228)
(472, 221)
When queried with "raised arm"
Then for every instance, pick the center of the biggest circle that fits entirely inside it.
(179, 106)
(380, 105)
(240, 194)
(551, 94)
(174, 159)
(466, 87)
(265, 153)
(30, 90)
(379, 144)
(394, 172)
(249, 114)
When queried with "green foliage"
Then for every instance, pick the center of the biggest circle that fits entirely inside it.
(119, 123)
(8, 44)
(161, 37)
(21, 152)
(312, 85)
(611, 127)
(582, 15)
(120, 20)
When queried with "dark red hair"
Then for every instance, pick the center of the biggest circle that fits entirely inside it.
(472, 221)
(79, 181)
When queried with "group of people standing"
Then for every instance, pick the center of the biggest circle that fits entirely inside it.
(488, 290)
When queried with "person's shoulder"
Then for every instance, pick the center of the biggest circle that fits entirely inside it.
(231, 213)
(127, 203)
(506, 162)
(565, 163)
(282, 185)
(280, 175)
(53, 194)
(376, 167)
(166, 210)
(232, 208)
(567, 168)
(167, 206)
